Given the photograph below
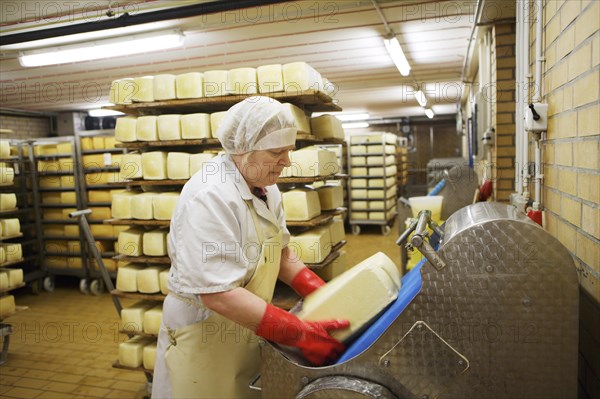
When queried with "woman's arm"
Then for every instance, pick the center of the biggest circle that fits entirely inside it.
(238, 305)
(290, 265)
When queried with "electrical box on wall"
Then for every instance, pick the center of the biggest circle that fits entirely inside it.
(67, 123)
(536, 118)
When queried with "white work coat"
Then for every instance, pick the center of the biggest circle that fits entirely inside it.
(213, 245)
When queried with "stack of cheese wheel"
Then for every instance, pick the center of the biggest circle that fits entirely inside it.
(142, 317)
(10, 278)
(311, 162)
(295, 77)
(373, 184)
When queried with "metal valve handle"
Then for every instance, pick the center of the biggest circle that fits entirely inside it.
(419, 227)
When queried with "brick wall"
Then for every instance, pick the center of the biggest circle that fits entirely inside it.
(503, 109)
(24, 127)
(571, 159)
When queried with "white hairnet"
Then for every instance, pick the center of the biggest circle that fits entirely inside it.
(257, 123)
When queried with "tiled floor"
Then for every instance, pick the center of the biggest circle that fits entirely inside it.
(64, 345)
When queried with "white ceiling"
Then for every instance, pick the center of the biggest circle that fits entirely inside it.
(341, 39)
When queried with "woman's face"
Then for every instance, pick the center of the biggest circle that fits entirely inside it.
(263, 168)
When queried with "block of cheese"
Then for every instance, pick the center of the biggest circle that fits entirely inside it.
(190, 85)
(155, 243)
(68, 198)
(7, 306)
(97, 143)
(360, 215)
(164, 205)
(7, 175)
(4, 149)
(331, 196)
(163, 278)
(142, 206)
(152, 319)
(10, 227)
(99, 213)
(242, 81)
(125, 129)
(148, 281)
(3, 273)
(197, 160)
(358, 183)
(74, 262)
(312, 246)
(109, 142)
(334, 269)
(357, 295)
(300, 118)
(358, 149)
(13, 252)
(215, 121)
(300, 204)
(380, 160)
(299, 76)
(336, 229)
(52, 214)
(360, 171)
(380, 171)
(15, 277)
(169, 127)
(195, 126)
(51, 198)
(358, 161)
(121, 204)
(154, 165)
(8, 201)
(164, 87)
(313, 161)
(380, 183)
(270, 78)
(149, 356)
(381, 149)
(121, 91)
(131, 352)
(87, 143)
(143, 91)
(147, 128)
(3, 259)
(327, 126)
(131, 166)
(130, 241)
(381, 205)
(215, 83)
(132, 317)
(358, 193)
(127, 277)
(381, 193)
(178, 165)
(100, 195)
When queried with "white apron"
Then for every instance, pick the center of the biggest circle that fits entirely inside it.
(217, 358)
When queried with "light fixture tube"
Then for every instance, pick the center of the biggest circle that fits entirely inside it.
(352, 117)
(421, 99)
(113, 47)
(429, 113)
(393, 47)
(355, 125)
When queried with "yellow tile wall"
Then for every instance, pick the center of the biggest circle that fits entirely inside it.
(571, 186)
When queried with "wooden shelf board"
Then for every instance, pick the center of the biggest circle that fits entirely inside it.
(313, 100)
(12, 262)
(8, 211)
(333, 255)
(142, 182)
(138, 295)
(137, 222)
(208, 142)
(311, 179)
(158, 260)
(316, 221)
(143, 334)
(12, 288)
(4, 238)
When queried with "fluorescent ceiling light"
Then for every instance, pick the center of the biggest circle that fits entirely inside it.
(429, 113)
(421, 99)
(103, 112)
(352, 117)
(355, 125)
(113, 47)
(395, 51)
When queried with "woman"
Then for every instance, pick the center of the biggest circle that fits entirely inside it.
(228, 245)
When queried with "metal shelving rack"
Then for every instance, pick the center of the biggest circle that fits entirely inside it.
(27, 213)
(62, 171)
(389, 191)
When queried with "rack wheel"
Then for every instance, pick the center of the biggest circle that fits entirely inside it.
(355, 229)
(385, 230)
(36, 286)
(84, 287)
(48, 283)
(96, 287)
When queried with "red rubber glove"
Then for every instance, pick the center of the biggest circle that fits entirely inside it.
(306, 281)
(312, 337)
